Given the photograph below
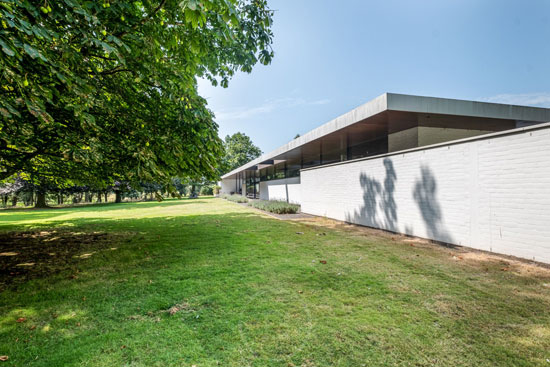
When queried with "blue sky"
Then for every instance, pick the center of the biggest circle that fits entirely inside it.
(331, 56)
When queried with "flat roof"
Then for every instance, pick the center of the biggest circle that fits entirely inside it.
(406, 103)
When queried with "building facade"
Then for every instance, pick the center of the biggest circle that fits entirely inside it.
(429, 167)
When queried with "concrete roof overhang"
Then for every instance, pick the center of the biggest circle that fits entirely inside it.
(371, 113)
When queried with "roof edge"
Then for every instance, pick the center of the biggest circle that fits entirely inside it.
(408, 103)
(371, 108)
(460, 107)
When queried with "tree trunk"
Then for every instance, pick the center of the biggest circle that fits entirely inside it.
(118, 198)
(14, 200)
(4, 200)
(99, 197)
(41, 200)
(106, 194)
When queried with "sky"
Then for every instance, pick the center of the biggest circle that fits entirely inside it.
(332, 56)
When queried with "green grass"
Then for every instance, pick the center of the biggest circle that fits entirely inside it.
(207, 282)
(275, 206)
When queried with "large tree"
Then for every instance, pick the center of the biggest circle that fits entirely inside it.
(106, 90)
(239, 149)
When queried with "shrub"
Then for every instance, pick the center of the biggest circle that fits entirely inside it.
(236, 198)
(274, 206)
(207, 190)
(217, 190)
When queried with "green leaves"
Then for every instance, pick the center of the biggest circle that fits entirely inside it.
(117, 77)
(192, 16)
(33, 52)
(6, 48)
(239, 149)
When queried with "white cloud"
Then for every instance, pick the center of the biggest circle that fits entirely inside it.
(527, 99)
(269, 106)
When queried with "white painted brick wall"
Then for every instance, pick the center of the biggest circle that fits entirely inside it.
(487, 193)
(287, 189)
(227, 185)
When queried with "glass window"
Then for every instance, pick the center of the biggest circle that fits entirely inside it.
(263, 174)
(279, 171)
(312, 155)
(270, 173)
(293, 167)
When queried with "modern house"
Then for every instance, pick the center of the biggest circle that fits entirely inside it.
(462, 172)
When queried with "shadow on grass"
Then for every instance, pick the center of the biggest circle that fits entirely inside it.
(40, 254)
(51, 248)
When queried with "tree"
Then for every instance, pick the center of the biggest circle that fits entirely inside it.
(12, 187)
(239, 150)
(105, 91)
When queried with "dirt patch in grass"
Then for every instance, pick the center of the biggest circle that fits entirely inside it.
(482, 259)
(38, 254)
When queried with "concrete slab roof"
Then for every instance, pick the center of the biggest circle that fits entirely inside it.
(407, 103)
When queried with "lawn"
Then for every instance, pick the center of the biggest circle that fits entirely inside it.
(208, 282)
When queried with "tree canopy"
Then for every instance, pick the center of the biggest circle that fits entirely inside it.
(98, 91)
(239, 149)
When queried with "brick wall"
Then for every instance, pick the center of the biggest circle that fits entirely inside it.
(490, 193)
(227, 185)
(287, 189)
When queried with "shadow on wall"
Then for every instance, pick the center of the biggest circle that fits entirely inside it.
(379, 208)
(377, 196)
(425, 195)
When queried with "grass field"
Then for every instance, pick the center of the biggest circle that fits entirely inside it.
(207, 282)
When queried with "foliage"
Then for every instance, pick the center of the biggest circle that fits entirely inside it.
(217, 189)
(239, 149)
(235, 198)
(98, 91)
(13, 186)
(19, 189)
(275, 206)
(208, 283)
(180, 185)
(207, 190)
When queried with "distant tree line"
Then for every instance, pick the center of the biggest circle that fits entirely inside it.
(20, 191)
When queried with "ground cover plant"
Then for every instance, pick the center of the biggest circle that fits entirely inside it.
(236, 198)
(207, 282)
(275, 206)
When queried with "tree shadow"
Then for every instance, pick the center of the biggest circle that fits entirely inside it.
(388, 202)
(38, 254)
(379, 208)
(425, 195)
